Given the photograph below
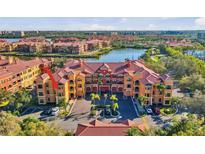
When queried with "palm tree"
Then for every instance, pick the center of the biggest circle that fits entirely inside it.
(62, 103)
(143, 100)
(115, 106)
(113, 98)
(160, 87)
(94, 97)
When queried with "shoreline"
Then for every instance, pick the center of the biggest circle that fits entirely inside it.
(94, 54)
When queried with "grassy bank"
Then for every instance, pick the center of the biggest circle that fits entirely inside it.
(94, 54)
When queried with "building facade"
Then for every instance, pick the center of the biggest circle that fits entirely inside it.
(129, 78)
(20, 74)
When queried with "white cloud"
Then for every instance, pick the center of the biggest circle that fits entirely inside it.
(200, 22)
(99, 27)
(123, 20)
(152, 26)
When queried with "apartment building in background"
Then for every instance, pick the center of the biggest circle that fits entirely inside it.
(130, 78)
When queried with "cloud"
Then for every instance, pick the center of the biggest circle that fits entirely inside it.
(123, 20)
(100, 27)
(200, 22)
(152, 26)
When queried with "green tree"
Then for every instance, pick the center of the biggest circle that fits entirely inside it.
(34, 127)
(94, 97)
(9, 124)
(142, 100)
(22, 97)
(5, 97)
(192, 82)
(63, 104)
(113, 98)
(115, 106)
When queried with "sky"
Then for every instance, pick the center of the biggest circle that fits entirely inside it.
(102, 23)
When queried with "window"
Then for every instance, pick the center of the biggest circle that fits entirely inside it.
(41, 101)
(40, 86)
(137, 82)
(136, 89)
(47, 85)
(79, 79)
(40, 94)
(168, 87)
(148, 86)
(160, 100)
(129, 86)
(168, 95)
(49, 100)
(147, 95)
(80, 86)
(167, 102)
(129, 79)
(71, 81)
(48, 92)
(59, 94)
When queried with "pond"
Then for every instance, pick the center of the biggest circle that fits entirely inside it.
(119, 55)
(196, 53)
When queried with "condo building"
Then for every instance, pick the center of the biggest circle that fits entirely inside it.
(5, 46)
(78, 78)
(69, 47)
(20, 74)
(32, 45)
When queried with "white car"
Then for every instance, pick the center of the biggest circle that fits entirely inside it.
(54, 111)
(149, 110)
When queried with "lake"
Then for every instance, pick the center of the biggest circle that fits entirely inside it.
(116, 55)
(196, 53)
(119, 55)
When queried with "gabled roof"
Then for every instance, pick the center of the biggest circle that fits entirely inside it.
(129, 67)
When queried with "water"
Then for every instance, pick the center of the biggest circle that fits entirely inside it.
(13, 40)
(119, 55)
(196, 53)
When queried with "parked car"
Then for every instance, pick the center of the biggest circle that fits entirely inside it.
(54, 111)
(148, 110)
(51, 112)
(157, 111)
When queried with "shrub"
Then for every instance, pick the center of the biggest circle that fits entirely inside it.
(93, 113)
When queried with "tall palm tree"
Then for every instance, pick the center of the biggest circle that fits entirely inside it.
(113, 98)
(115, 106)
(94, 97)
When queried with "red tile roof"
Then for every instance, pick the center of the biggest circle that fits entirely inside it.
(131, 67)
(98, 128)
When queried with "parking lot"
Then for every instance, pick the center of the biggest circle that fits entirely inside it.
(126, 107)
(79, 114)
